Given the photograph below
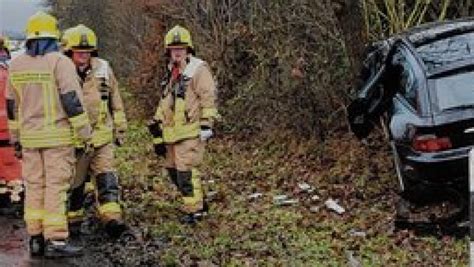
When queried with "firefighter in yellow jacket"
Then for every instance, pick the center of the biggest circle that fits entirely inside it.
(106, 113)
(184, 119)
(45, 111)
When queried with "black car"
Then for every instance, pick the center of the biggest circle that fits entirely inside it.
(420, 84)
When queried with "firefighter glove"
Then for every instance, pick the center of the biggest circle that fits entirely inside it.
(160, 149)
(206, 133)
(119, 138)
(155, 128)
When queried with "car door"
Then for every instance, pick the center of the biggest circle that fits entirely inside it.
(372, 98)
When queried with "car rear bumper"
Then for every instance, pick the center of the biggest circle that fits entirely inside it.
(445, 167)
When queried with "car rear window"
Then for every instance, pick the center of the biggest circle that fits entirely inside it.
(455, 91)
(449, 50)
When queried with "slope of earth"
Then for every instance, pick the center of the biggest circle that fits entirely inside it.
(268, 206)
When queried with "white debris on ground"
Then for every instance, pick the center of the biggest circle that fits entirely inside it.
(334, 206)
(283, 200)
(254, 196)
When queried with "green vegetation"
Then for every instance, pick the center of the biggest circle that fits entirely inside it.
(255, 232)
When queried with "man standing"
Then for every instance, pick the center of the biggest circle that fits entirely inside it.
(45, 111)
(184, 119)
(106, 112)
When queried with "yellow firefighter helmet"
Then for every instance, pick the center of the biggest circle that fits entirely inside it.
(65, 38)
(178, 36)
(80, 38)
(42, 25)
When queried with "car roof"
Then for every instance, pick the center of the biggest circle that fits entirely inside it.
(433, 31)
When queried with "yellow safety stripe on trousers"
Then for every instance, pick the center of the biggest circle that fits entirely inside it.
(89, 188)
(79, 121)
(33, 214)
(194, 203)
(208, 113)
(75, 214)
(102, 136)
(119, 119)
(55, 219)
(13, 125)
(110, 207)
(157, 140)
(181, 132)
(46, 137)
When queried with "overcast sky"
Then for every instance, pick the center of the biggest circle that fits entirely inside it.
(14, 13)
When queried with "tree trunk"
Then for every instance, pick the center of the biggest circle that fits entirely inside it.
(350, 16)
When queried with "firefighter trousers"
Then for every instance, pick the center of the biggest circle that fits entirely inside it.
(182, 160)
(106, 182)
(48, 173)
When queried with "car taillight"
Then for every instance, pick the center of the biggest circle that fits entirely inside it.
(431, 143)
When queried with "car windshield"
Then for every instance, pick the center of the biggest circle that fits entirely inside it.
(449, 50)
(455, 91)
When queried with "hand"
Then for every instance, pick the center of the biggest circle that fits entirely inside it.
(155, 128)
(160, 149)
(119, 138)
(206, 133)
(18, 148)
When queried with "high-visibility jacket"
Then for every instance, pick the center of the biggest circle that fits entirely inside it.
(103, 102)
(188, 104)
(44, 102)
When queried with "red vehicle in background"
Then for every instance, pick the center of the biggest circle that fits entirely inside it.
(11, 184)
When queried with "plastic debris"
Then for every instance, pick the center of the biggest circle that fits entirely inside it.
(357, 233)
(283, 200)
(254, 196)
(332, 205)
(351, 260)
(314, 209)
(278, 198)
(305, 187)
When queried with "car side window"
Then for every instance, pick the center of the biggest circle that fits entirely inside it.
(403, 75)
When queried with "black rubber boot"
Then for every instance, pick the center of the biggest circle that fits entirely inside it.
(193, 218)
(173, 173)
(107, 187)
(184, 183)
(62, 249)
(115, 228)
(37, 244)
(76, 198)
